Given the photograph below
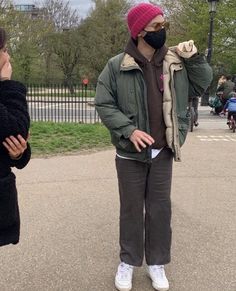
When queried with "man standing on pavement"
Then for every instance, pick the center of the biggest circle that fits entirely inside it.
(142, 98)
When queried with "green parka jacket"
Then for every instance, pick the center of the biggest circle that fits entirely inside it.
(121, 100)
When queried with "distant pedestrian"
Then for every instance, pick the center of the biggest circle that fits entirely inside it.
(221, 81)
(14, 149)
(230, 106)
(226, 87)
(195, 103)
(142, 98)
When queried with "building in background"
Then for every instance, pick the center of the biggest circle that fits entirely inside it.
(30, 9)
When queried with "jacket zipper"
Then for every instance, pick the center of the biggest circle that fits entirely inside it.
(149, 148)
(175, 120)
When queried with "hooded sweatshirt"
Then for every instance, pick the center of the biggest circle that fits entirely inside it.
(231, 104)
(153, 76)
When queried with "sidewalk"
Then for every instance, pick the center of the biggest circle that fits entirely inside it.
(70, 213)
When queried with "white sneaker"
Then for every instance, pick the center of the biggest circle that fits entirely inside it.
(123, 280)
(158, 277)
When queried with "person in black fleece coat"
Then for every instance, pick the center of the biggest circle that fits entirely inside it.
(14, 149)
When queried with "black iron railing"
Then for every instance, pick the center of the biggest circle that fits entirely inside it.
(58, 103)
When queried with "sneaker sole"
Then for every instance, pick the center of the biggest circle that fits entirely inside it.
(122, 288)
(157, 287)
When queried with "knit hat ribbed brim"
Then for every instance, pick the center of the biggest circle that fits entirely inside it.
(140, 15)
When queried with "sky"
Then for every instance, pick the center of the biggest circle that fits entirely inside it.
(82, 6)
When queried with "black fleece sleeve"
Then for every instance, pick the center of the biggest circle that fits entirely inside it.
(14, 116)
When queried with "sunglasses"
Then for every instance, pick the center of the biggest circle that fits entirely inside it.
(158, 26)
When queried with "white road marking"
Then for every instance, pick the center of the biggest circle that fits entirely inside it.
(224, 138)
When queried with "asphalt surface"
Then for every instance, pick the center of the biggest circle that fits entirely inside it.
(70, 210)
(63, 109)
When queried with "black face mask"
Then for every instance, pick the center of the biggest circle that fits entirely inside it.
(155, 39)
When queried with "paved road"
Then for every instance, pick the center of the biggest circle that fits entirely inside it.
(69, 210)
(74, 110)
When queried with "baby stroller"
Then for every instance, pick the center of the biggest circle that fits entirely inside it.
(216, 104)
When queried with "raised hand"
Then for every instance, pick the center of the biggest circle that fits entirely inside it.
(4, 57)
(186, 49)
(6, 71)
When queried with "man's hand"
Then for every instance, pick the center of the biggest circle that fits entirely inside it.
(186, 49)
(141, 139)
(15, 146)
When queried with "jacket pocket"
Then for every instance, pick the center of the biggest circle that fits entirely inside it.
(123, 143)
(183, 126)
(9, 213)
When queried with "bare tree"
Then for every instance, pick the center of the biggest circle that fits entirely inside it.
(5, 4)
(60, 13)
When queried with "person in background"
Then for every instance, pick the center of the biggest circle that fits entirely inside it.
(226, 87)
(234, 79)
(195, 103)
(142, 98)
(221, 81)
(230, 106)
(14, 148)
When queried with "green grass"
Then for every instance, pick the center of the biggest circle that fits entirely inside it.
(48, 138)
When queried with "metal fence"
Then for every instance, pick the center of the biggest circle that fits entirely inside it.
(59, 104)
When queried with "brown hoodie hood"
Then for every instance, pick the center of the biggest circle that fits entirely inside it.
(131, 49)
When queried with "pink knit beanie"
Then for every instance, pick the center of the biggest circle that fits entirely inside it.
(140, 15)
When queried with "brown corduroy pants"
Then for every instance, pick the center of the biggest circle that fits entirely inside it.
(145, 209)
